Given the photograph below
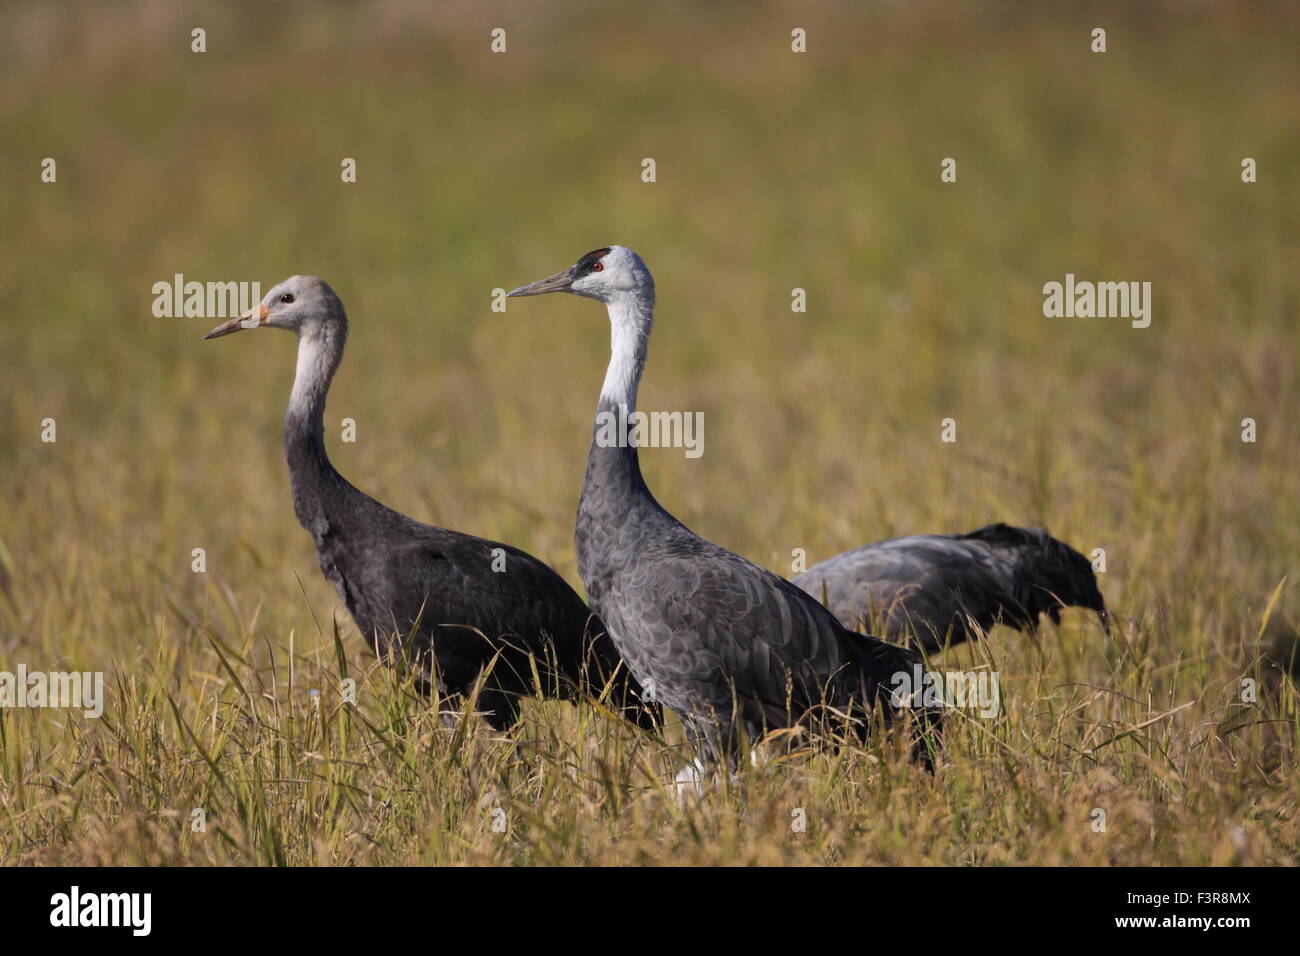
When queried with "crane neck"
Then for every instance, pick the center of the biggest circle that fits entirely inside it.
(612, 465)
(320, 350)
(631, 317)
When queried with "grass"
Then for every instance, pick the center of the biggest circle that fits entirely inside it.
(775, 171)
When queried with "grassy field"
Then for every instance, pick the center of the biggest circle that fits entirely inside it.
(775, 170)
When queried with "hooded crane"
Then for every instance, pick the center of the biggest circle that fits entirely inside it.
(935, 589)
(431, 595)
(732, 648)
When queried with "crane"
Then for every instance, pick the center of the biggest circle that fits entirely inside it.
(935, 589)
(733, 649)
(462, 611)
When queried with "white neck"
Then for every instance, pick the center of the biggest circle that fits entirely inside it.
(316, 485)
(312, 377)
(630, 318)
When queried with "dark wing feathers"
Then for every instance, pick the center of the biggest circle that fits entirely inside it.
(940, 588)
(440, 588)
(704, 624)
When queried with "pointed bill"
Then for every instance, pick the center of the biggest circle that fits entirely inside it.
(559, 282)
(249, 320)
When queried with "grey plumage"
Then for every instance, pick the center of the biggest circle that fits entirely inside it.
(724, 643)
(732, 648)
(421, 593)
(944, 589)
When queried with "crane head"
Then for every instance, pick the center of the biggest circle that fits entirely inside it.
(298, 303)
(1061, 571)
(603, 274)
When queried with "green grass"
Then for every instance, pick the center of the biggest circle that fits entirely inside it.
(775, 170)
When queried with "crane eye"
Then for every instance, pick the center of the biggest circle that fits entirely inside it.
(597, 267)
(287, 297)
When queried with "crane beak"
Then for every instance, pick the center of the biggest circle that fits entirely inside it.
(251, 319)
(559, 282)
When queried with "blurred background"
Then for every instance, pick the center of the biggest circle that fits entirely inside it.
(775, 170)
